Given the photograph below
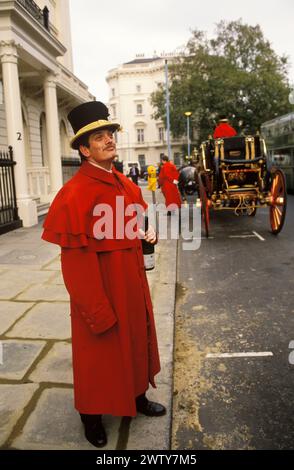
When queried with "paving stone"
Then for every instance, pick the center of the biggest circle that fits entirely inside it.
(164, 298)
(56, 365)
(166, 360)
(44, 320)
(56, 279)
(17, 357)
(44, 292)
(10, 312)
(29, 255)
(164, 330)
(54, 265)
(9, 288)
(152, 433)
(56, 425)
(13, 399)
(31, 276)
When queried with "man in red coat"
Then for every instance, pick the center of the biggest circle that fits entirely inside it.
(223, 129)
(168, 181)
(114, 345)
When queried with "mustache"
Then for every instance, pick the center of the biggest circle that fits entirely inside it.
(109, 147)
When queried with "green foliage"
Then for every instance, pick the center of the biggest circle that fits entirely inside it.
(237, 73)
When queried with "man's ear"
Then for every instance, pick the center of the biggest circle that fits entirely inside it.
(84, 150)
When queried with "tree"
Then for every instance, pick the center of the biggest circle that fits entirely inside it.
(237, 73)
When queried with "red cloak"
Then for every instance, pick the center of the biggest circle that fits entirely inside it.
(224, 130)
(168, 174)
(115, 353)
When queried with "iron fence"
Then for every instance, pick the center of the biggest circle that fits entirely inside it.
(9, 219)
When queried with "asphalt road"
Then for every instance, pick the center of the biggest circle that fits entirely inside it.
(236, 295)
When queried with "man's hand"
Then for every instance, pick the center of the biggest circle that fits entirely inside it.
(150, 236)
(175, 182)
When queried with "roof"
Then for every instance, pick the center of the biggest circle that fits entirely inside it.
(143, 60)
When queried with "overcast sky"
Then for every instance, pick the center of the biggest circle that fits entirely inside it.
(108, 33)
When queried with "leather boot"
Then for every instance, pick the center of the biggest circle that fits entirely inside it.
(149, 408)
(94, 430)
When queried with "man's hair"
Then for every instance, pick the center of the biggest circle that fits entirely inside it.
(83, 140)
(164, 158)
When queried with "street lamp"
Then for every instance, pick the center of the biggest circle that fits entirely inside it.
(188, 114)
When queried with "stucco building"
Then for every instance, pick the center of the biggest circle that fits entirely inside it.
(143, 138)
(37, 90)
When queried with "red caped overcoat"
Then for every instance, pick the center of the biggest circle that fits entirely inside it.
(224, 130)
(167, 175)
(115, 353)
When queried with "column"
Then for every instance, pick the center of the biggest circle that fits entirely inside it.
(26, 206)
(53, 135)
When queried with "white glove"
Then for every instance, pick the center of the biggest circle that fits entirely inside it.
(175, 182)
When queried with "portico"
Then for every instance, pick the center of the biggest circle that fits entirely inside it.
(39, 89)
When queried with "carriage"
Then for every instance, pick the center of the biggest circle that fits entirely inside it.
(233, 175)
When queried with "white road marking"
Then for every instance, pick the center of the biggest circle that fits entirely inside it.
(249, 235)
(242, 236)
(240, 354)
(258, 236)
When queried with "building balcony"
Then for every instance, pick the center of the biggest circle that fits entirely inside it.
(24, 23)
(69, 85)
(42, 16)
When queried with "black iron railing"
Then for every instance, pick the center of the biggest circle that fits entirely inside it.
(9, 219)
(40, 15)
(69, 167)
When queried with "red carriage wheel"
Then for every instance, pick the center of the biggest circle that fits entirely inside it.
(204, 205)
(278, 201)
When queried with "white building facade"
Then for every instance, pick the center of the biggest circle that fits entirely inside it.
(37, 90)
(143, 138)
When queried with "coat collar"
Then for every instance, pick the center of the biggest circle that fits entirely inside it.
(96, 173)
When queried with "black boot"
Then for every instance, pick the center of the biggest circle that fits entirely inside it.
(94, 430)
(149, 408)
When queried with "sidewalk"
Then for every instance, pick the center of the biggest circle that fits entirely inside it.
(36, 405)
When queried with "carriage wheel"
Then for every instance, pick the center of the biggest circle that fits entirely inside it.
(204, 205)
(278, 201)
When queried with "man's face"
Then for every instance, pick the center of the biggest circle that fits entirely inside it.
(101, 146)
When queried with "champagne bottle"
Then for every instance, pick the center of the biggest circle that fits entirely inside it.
(148, 250)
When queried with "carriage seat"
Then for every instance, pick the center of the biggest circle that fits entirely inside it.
(234, 148)
(238, 149)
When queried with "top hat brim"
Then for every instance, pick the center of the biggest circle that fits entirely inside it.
(90, 128)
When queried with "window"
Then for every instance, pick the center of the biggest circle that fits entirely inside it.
(161, 134)
(142, 160)
(140, 136)
(112, 92)
(138, 88)
(139, 109)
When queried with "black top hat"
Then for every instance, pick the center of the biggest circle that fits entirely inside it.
(87, 117)
(223, 118)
